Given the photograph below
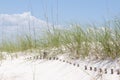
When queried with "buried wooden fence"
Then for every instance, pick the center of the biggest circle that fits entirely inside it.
(90, 68)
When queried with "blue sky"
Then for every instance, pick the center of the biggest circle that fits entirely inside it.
(67, 11)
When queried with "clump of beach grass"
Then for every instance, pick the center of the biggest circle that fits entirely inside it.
(80, 42)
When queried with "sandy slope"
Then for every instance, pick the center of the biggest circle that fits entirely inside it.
(19, 69)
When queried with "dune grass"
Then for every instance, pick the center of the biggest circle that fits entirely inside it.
(102, 42)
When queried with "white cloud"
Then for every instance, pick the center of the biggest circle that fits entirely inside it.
(19, 23)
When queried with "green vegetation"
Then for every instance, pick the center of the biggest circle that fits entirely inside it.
(100, 42)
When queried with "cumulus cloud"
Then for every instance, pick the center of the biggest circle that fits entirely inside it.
(20, 23)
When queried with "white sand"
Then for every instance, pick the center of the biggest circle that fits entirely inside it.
(19, 69)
